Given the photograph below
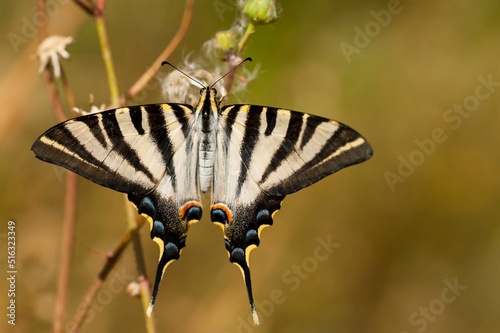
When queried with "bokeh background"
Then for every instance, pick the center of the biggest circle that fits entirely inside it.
(416, 247)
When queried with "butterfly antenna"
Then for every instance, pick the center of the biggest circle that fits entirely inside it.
(232, 70)
(177, 69)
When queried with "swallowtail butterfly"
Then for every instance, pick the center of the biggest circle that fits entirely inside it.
(165, 156)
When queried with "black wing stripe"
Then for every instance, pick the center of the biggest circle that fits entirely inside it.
(230, 119)
(180, 114)
(287, 145)
(96, 129)
(121, 147)
(157, 121)
(136, 117)
(271, 115)
(250, 138)
(311, 124)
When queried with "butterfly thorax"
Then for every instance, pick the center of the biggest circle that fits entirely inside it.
(207, 112)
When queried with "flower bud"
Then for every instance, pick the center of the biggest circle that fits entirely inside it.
(261, 11)
(225, 41)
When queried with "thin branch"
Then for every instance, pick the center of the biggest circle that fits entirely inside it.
(145, 288)
(110, 263)
(66, 251)
(155, 66)
(54, 93)
(67, 89)
(244, 39)
(88, 6)
(47, 73)
(70, 197)
(42, 20)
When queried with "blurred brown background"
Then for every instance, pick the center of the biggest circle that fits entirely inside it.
(416, 227)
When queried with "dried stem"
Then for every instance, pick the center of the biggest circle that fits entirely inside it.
(54, 94)
(42, 20)
(111, 261)
(70, 197)
(155, 66)
(145, 288)
(66, 251)
(88, 6)
(67, 89)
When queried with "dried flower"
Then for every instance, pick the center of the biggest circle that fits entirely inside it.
(50, 49)
(177, 87)
(133, 289)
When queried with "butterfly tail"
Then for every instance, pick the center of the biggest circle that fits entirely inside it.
(238, 257)
(170, 253)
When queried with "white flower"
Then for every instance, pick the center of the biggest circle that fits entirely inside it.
(50, 49)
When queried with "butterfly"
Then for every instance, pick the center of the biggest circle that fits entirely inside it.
(166, 156)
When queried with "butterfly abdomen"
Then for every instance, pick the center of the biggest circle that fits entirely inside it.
(207, 111)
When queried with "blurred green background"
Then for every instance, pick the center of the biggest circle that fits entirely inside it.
(416, 227)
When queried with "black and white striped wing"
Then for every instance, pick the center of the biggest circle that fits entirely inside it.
(264, 154)
(148, 152)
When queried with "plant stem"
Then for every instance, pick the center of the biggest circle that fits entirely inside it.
(106, 55)
(144, 284)
(70, 197)
(155, 66)
(67, 89)
(66, 251)
(244, 39)
(237, 55)
(87, 5)
(111, 261)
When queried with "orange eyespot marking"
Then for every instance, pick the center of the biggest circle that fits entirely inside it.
(191, 210)
(225, 209)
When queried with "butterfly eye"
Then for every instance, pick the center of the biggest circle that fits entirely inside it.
(201, 90)
(215, 91)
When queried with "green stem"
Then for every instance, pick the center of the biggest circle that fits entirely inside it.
(241, 45)
(102, 34)
(243, 41)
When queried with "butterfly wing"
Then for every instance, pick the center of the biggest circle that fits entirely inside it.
(144, 151)
(264, 154)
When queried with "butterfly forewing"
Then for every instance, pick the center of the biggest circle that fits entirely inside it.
(288, 150)
(119, 149)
